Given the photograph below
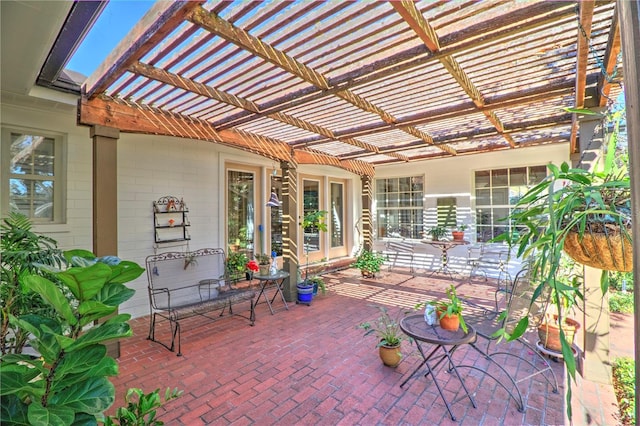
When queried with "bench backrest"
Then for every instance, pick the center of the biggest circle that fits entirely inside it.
(188, 277)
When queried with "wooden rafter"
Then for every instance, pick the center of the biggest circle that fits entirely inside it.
(545, 13)
(130, 117)
(213, 23)
(161, 19)
(410, 13)
(189, 85)
(582, 59)
(610, 60)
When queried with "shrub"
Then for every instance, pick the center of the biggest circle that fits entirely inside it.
(623, 382)
(621, 302)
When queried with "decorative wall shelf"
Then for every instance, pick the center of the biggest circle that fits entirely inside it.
(170, 220)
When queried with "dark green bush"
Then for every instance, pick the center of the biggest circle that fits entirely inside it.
(617, 278)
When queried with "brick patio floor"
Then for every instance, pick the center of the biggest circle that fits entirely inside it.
(311, 365)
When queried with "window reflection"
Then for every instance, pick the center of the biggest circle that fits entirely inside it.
(241, 211)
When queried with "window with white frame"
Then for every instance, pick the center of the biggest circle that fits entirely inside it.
(33, 182)
(497, 192)
(399, 207)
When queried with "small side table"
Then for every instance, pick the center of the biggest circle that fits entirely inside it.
(444, 247)
(276, 281)
(445, 341)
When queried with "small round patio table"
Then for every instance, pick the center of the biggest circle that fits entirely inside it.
(443, 340)
(276, 281)
(444, 247)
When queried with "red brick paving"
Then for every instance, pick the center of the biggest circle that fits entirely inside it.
(311, 365)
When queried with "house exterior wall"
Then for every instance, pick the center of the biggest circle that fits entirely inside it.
(150, 167)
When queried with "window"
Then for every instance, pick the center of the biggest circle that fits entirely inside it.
(240, 211)
(447, 212)
(336, 215)
(311, 203)
(497, 193)
(32, 180)
(399, 206)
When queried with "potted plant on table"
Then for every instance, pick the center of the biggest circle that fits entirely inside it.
(387, 331)
(369, 263)
(458, 233)
(437, 232)
(449, 312)
(264, 262)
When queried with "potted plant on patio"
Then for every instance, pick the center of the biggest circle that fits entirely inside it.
(236, 265)
(264, 262)
(437, 232)
(449, 312)
(458, 232)
(312, 221)
(387, 332)
(369, 263)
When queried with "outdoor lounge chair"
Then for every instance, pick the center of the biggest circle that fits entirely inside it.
(515, 300)
(490, 260)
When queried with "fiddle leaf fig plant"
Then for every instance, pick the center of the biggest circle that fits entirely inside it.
(68, 384)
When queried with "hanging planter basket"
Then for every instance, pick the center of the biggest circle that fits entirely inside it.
(610, 251)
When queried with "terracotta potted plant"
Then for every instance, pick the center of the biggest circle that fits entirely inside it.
(449, 311)
(388, 334)
(264, 262)
(458, 233)
(437, 232)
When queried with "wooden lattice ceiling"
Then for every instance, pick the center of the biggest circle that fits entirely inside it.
(355, 84)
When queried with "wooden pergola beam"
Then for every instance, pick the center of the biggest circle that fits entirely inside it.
(610, 60)
(582, 59)
(410, 13)
(155, 25)
(200, 89)
(133, 118)
(216, 25)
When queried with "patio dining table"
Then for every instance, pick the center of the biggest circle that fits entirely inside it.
(444, 247)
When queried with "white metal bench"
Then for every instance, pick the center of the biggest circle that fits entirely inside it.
(185, 284)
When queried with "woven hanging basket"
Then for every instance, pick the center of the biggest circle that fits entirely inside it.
(611, 252)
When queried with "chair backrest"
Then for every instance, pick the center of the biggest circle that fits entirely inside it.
(519, 300)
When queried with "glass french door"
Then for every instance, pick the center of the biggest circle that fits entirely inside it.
(241, 211)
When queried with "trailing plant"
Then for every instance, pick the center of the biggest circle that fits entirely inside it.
(369, 262)
(68, 383)
(317, 280)
(189, 260)
(140, 409)
(22, 252)
(386, 328)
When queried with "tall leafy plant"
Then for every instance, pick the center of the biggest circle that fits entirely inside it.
(68, 383)
(313, 221)
(22, 252)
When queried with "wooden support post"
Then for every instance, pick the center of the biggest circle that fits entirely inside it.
(367, 201)
(105, 199)
(290, 227)
(629, 17)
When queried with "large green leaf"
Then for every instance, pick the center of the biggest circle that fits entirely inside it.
(125, 271)
(117, 319)
(52, 295)
(101, 333)
(86, 282)
(114, 294)
(106, 367)
(92, 396)
(49, 416)
(92, 310)
(79, 361)
(13, 411)
(84, 419)
(80, 253)
(17, 379)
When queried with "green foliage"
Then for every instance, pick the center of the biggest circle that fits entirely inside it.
(236, 265)
(617, 279)
(624, 384)
(386, 328)
(437, 232)
(313, 221)
(621, 302)
(141, 408)
(68, 382)
(319, 281)
(369, 261)
(22, 252)
(263, 259)
(452, 306)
